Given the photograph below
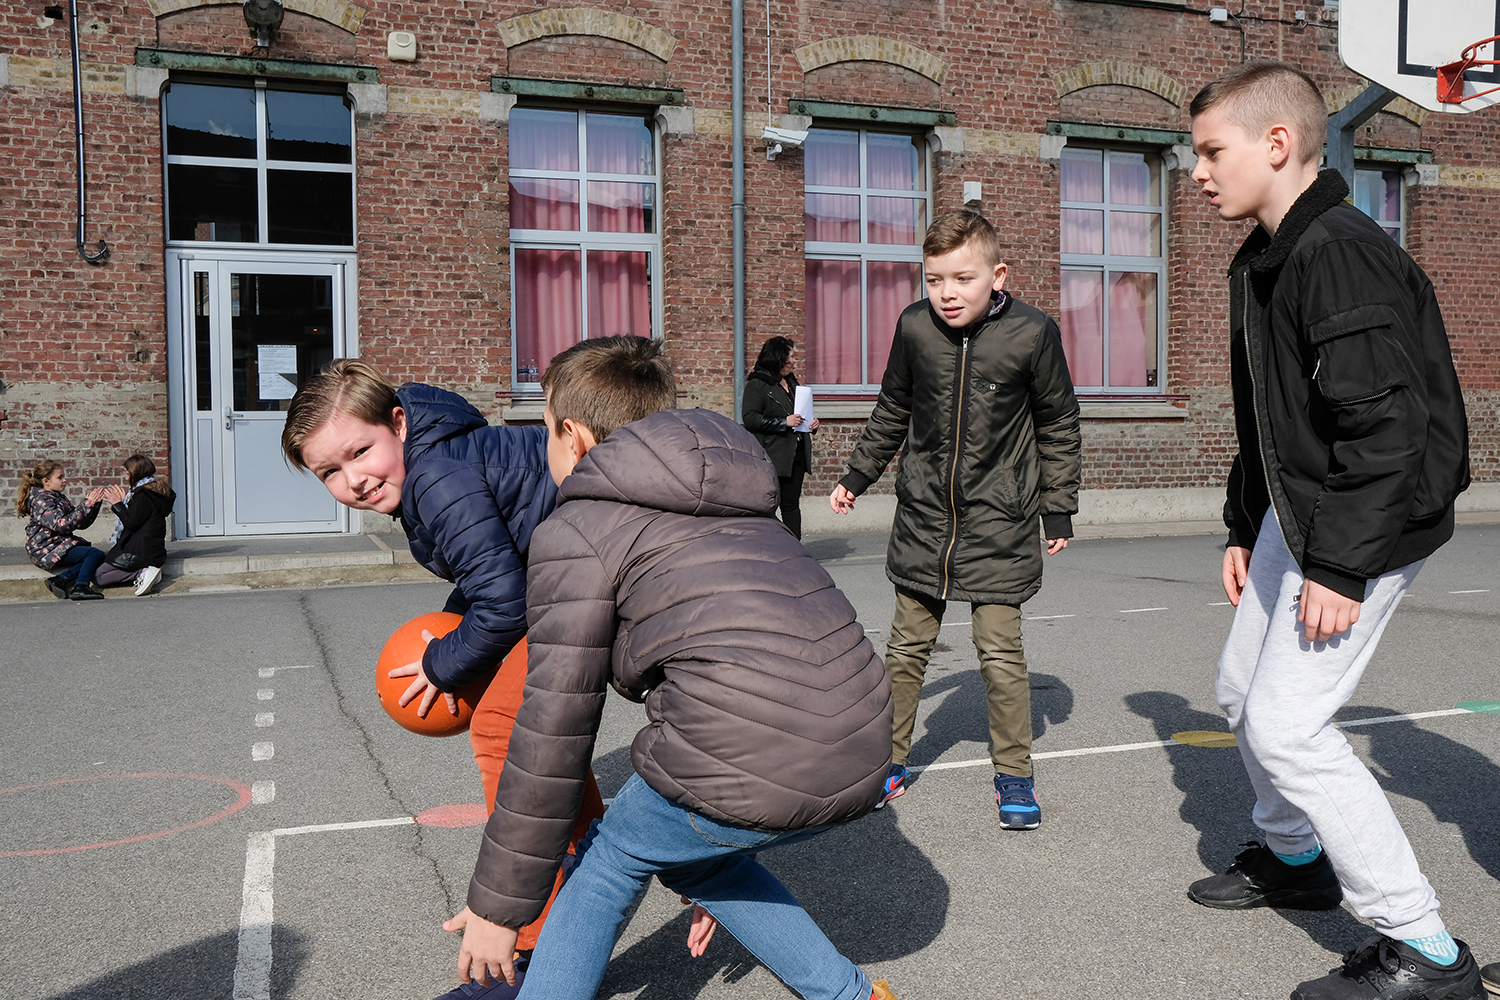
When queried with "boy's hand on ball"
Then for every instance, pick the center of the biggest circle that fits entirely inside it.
(488, 950)
(422, 686)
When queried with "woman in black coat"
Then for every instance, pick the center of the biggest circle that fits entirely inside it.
(138, 545)
(770, 415)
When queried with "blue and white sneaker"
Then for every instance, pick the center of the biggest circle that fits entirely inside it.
(1017, 800)
(895, 784)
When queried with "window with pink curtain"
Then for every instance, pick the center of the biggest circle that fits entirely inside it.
(584, 228)
(1377, 193)
(865, 212)
(1113, 265)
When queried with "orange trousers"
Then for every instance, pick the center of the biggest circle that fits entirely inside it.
(489, 732)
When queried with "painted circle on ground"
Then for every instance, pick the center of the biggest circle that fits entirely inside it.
(1205, 738)
(241, 792)
(452, 817)
(1479, 706)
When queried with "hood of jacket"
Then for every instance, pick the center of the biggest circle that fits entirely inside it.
(434, 415)
(680, 461)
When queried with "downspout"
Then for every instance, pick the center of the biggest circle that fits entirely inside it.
(737, 137)
(103, 254)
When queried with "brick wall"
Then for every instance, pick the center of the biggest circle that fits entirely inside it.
(83, 356)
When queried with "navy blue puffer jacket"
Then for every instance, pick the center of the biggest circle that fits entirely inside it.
(472, 497)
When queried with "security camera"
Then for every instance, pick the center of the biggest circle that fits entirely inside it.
(263, 18)
(785, 136)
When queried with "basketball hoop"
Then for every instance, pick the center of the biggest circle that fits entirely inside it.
(1450, 78)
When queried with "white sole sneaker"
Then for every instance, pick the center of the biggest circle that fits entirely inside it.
(146, 579)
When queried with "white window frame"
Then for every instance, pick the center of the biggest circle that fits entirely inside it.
(583, 239)
(1105, 263)
(261, 164)
(1399, 225)
(865, 251)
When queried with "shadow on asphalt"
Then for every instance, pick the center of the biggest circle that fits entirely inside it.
(840, 896)
(1217, 799)
(203, 969)
(964, 715)
(1408, 762)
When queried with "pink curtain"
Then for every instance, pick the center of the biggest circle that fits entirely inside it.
(893, 162)
(831, 218)
(621, 208)
(1082, 180)
(543, 140)
(831, 158)
(832, 322)
(892, 286)
(1132, 328)
(619, 144)
(619, 293)
(548, 302)
(1081, 321)
(543, 203)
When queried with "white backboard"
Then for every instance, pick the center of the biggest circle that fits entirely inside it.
(1400, 44)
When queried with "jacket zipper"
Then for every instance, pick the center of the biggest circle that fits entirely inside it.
(1260, 429)
(960, 404)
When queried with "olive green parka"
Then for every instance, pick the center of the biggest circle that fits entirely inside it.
(989, 425)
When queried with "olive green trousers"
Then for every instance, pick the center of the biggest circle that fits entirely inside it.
(996, 631)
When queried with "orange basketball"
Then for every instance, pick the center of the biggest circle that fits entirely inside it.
(406, 646)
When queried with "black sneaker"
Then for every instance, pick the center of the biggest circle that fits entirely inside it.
(58, 586)
(1490, 977)
(1259, 878)
(84, 594)
(1386, 969)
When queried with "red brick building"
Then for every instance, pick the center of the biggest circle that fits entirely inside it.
(455, 190)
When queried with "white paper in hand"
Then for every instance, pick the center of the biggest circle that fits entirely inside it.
(804, 406)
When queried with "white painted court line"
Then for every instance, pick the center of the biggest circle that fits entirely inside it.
(262, 793)
(364, 824)
(954, 624)
(265, 720)
(1125, 747)
(265, 694)
(1468, 591)
(1221, 604)
(271, 671)
(1042, 618)
(252, 965)
(262, 751)
(1136, 611)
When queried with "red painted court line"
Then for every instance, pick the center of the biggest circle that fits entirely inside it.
(241, 790)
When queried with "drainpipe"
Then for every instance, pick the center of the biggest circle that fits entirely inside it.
(103, 254)
(737, 133)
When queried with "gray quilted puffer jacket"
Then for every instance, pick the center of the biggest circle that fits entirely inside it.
(662, 573)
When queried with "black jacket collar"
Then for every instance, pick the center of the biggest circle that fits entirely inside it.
(1265, 254)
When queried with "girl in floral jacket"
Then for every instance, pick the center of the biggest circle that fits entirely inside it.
(50, 541)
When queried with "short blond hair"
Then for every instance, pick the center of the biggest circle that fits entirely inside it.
(964, 227)
(1258, 95)
(348, 386)
(607, 382)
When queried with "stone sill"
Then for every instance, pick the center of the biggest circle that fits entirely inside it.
(1132, 409)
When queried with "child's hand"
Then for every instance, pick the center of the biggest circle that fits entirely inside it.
(1236, 566)
(702, 930)
(1056, 545)
(422, 684)
(1327, 613)
(841, 500)
(488, 950)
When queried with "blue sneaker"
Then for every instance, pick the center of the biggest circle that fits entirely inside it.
(895, 784)
(498, 989)
(1017, 800)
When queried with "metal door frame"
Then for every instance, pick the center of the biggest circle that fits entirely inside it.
(181, 372)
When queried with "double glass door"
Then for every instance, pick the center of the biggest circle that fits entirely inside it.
(251, 331)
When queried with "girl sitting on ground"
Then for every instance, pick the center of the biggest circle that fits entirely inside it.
(138, 545)
(50, 542)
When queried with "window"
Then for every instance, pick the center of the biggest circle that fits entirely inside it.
(584, 229)
(254, 164)
(867, 206)
(1377, 193)
(1113, 269)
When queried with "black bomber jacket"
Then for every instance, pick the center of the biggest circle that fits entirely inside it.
(1348, 411)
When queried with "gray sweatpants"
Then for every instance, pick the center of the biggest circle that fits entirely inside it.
(1281, 693)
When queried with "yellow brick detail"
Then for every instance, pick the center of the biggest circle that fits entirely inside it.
(720, 121)
(57, 74)
(346, 15)
(1121, 74)
(428, 101)
(587, 21)
(872, 48)
(1469, 177)
(1016, 145)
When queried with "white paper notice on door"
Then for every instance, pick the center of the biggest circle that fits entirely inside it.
(277, 364)
(804, 405)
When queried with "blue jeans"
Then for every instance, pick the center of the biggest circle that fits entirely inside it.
(76, 567)
(644, 835)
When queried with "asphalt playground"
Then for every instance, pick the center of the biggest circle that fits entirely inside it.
(200, 797)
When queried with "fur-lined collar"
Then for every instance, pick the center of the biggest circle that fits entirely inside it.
(1266, 254)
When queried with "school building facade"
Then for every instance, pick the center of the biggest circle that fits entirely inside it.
(457, 190)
